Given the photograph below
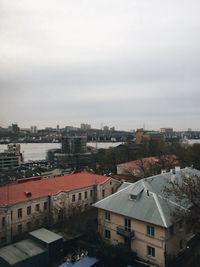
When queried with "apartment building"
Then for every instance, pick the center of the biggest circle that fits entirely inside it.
(33, 204)
(140, 215)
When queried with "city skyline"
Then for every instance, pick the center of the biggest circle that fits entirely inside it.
(123, 64)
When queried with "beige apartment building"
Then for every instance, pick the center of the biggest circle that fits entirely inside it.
(33, 204)
(140, 216)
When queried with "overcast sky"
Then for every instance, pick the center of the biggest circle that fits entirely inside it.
(122, 63)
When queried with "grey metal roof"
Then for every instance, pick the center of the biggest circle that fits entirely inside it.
(45, 235)
(123, 185)
(149, 203)
(20, 251)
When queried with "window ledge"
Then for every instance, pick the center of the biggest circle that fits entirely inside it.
(151, 257)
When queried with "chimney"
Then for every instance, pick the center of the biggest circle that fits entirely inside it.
(173, 178)
(177, 169)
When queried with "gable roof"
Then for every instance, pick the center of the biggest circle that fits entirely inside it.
(16, 193)
(148, 161)
(144, 200)
(144, 162)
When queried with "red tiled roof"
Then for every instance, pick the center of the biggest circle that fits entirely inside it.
(139, 163)
(15, 193)
(147, 162)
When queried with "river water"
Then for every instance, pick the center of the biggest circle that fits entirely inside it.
(37, 151)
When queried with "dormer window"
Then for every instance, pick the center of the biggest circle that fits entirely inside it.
(133, 197)
(135, 193)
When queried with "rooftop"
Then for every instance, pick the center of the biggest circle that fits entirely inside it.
(45, 235)
(138, 163)
(149, 161)
(145, 200)
(16, 193)
(20, 251)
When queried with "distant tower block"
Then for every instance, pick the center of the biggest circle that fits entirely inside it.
(74, 144)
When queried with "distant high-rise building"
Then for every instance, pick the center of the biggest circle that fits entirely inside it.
(166, 130)
(112, 129)
(85, 126)
(74, 144)
(15, 128)
(34, 129)
(106, 128)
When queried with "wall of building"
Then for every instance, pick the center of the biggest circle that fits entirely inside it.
(50, 210)
(141, 240)
(18, 221)
(66, 204)
(176, 239)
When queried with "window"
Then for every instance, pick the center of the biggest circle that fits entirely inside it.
(28, 210)
(133, 197)
(127, 224)
(3, 240)
(45, 220)
(103, 193)
(28, 225)
(45, 205)
(3, 221)
(150, 251)
(37, 207)
(86, 194)
(180, 224)
(112, 190)
(171, 230)
(107, 234)
(91, 193)
(181, 244)
(37, 223)
(19, 228)
(107, 215)
(79, 196)
(73, 198)
(19, 213)
(150, 230)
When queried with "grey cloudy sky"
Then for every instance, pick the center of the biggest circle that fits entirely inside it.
(116, 62)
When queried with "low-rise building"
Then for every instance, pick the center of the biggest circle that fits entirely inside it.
(148, 166)
(143, 137)
(140, 215)
(33, 204)
(11, 158)
(24, 253)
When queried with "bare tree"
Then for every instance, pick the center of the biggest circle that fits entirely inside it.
(186, 190)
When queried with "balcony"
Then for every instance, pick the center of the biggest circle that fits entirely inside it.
(121, 230)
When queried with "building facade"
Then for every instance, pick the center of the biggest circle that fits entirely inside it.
(12, 157)
(140, 216)
(47, 202)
